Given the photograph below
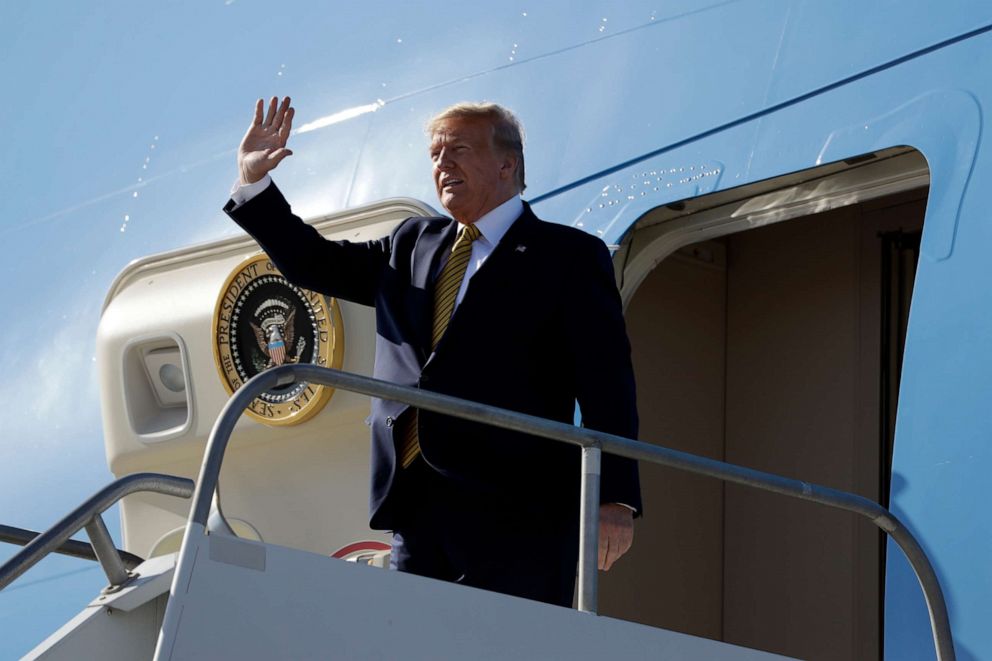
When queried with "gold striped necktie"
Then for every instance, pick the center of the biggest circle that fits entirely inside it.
(446, 289)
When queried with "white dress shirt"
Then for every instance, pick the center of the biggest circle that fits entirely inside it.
(241, 193)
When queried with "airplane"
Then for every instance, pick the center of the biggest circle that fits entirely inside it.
(792, 193)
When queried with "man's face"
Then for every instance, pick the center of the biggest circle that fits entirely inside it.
(471, 175)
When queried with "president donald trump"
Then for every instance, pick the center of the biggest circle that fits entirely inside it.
(491, 305)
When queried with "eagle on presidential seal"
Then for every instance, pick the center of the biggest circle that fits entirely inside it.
(275, 338)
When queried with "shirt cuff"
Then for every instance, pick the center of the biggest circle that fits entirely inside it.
(632, 509)
(241, 193)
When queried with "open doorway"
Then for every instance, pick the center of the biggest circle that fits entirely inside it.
(774, 344)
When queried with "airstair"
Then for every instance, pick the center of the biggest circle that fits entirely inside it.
(224, 597)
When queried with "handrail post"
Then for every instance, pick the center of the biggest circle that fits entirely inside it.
(589, 530)
(106, 553)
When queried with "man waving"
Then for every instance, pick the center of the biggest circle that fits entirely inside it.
(491, 305)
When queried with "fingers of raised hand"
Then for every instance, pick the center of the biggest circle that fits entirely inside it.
(286, 126)
(271, 114)
(257, 119)
(281, 114)
(276, 114)
(277, 122)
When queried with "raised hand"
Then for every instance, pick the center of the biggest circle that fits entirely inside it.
(264, 145)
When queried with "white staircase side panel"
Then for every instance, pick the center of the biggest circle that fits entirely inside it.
(235, 598)
(102, 632)
(117, 627)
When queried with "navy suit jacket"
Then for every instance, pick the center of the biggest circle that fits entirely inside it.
(539, 328)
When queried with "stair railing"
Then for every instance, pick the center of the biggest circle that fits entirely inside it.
(116, 564)
(206, 510)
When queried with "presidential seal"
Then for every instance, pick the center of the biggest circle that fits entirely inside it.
(262, 321)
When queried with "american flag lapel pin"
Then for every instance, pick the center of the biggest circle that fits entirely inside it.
(521, 248)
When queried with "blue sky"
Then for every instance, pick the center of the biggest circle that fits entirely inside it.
(121, 121)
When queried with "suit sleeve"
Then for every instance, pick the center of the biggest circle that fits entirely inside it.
(600, 353)
(351, 271)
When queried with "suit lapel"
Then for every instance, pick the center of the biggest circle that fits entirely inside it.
(507, 255)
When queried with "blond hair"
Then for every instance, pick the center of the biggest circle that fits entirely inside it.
(508, 134)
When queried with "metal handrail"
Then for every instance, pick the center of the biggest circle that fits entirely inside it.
(592, 443)
(71, 548)
(88, 515)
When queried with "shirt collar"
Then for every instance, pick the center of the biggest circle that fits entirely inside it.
(494, 224)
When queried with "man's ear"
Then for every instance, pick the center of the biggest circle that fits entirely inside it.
(508, 168)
